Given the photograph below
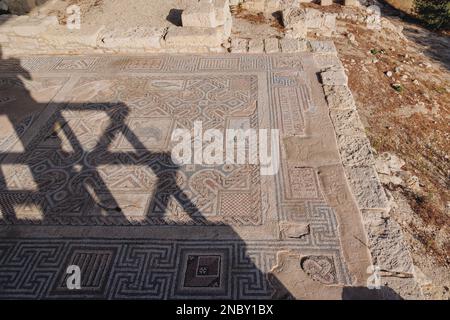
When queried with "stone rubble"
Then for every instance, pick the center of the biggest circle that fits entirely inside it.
(300, 21)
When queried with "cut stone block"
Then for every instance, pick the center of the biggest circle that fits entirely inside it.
(329, 22)
(347, 122)
(199, 14)
(239, 45)
(256, 46)
(137, 37)
(368, 191)
(386, 242)
(326, 2)
(28, 26)
(292, 45)
(177, 37)
(255, 5)
(61, 36)
(355, 151)
(353, 3)
(326, 61)
(222, 9)
(295, 19)
(303, 45)
(339, 97)
(226, 28)
(334, 77)
(314, 18)
(271, 45)
(322, 46)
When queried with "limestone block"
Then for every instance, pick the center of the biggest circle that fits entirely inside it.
(292, 45)
(225, 29)
(353, 3)
(271, 45)
(255, 5)
(407, 288)
(199, 14)
(26, 26)
(347, 122)
(339, 97)
(326, 2)
(329, 22)
(334, 77)
(307, 19)
(24, 43)
(177, 37)
(314, 18)
(368, 191)
(355, 151)
(61, 36)
(272, 6)
(137, 37)
(302, 45)
(300, 30)
(293, 16)
(222, 10)
(386, 242)
(256, 46)
(239, 45)
(326, 61)
(280, 5)
(322, 46)
(389, 163)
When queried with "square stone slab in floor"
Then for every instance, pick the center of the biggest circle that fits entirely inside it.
(87, 178)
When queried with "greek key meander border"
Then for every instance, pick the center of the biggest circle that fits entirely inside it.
(245, 278)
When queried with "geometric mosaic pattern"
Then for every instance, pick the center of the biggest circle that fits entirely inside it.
(141, 268)
(96, 160)
(123, 153)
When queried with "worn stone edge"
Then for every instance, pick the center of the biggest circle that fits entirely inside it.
(390, 229)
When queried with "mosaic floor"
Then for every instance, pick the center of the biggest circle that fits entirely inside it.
(87, 179)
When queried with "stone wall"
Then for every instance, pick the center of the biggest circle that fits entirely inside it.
(385, 238)
(206, 27)
(203, 31)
